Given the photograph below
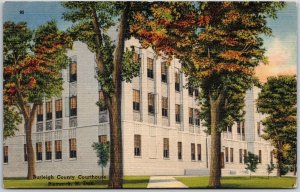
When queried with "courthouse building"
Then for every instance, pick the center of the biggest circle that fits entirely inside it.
(162, 131)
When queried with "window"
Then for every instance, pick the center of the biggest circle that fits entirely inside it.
(136, 100)
(241, 155)
(5, 154)
(164, 104)
(58, 151)
(199, 152)
(48, 146)
(136, 57)
(164, 72)
(102, 138)
(271, 157)
(73, 71)
(229, 128)
(72, 145)
(151, 108)
(39, 151)
(226, 154)
(239, 127)
(231, 155)
(258, 128)
(243, 127)
(177, 81)
(197, 117)
(179, 147)
(73, 106)
(137, 145)
(166, 148)
(191, 116)
(196, 92)
(193, 151)
(150, 67)
(259, 156)
(49, 110)
(25, 153)
(58, 108)
(102, 106)
(191, 90)
(177, 113)
(39, 112)
(245, 156)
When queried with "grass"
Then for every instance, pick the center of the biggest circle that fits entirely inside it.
(129, 182)
(241, 182)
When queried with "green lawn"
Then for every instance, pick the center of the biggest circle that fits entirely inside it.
(241, 182)
(129, 182)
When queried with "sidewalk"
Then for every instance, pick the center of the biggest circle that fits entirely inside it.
(164, 182)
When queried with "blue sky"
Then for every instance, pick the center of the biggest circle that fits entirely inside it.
(281, 47)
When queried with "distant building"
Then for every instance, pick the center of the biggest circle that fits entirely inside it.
(162, 131)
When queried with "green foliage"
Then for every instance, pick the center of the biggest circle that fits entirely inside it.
(130, 67)
(11, 119)
(102, 151)
(252, 161)
(278, 101)
(270, 168)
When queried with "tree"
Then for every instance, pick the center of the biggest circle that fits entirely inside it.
(32, 71)
(252, 161)
(102, 151)
(12, 119)
(91, 20)
(270, 168)
(219, 51)
(278, 101)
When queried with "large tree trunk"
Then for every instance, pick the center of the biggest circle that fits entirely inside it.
(30, 152)
(279, 162)
(215, 165)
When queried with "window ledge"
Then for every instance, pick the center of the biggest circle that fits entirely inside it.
(136, 111)
(39, 161)
(5, 163)
(149, 78)
(166, 158)
(165, 117)
(55, 160)
(138, 157)
(50, 160)
(72, 159)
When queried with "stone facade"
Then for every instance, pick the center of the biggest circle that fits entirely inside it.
(158, 131)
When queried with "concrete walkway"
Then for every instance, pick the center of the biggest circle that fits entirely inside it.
(164, 182)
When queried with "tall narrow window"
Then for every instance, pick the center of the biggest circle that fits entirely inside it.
(73, 106)
(164, 72)
(102, 139)
(72, 146)
(164, 104)
(39, 151)
(5, 154)
(48, 146)
(229, 128)
(193, 156)
(191, 116)
(177, 81)
(259, 156)
(136, 57)
(177, 113)
(39, 112)
(137, 145)
(197, 117)
(231, 155)
(151, 108)
(199, 152)
(239, 127)
(196, 92)
(166, 148)
(49, 110)
(258, 128)
(102, 106)
(150, 67)
(58, 109)
(73, 71)
(191, 91)
(58, 151)
(243, 127)
(25, 153)
(245, 156)
(179, 148)
(136, 100)
(241, 155)
(226, 154)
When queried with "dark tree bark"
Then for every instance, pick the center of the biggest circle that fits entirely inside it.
(30, 152)
(215, 165)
